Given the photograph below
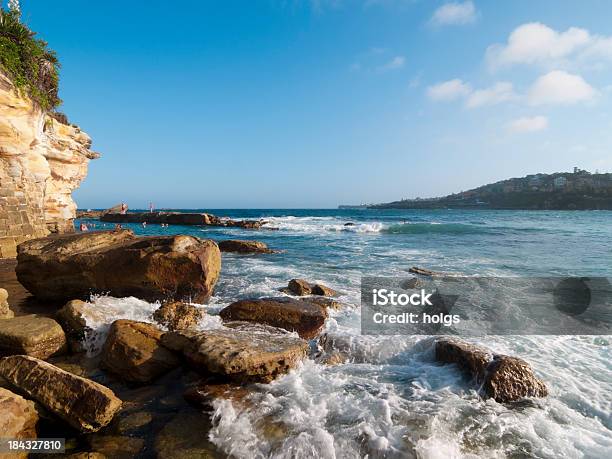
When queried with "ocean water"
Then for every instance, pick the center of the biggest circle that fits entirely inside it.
(391, 400)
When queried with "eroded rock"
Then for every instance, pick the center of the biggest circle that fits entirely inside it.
(18, 418)
(241, 246)
(5, 310)
(33, 335)
(241, 354)
(82, 403)
(177, 315)
(304, 317)
(134, 353)
(503, 378)
(301, 287)
(66, 267)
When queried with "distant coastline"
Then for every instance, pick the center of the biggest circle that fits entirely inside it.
(577, 190)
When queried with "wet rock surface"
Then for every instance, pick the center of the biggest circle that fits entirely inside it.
(304, 317)
(177, 315)
(67, 267)
(33, 335)
(240, 246)
(503, 378)
(84, 404)
(301, 287)
(244, 354)
(134, 353)
(72, 318)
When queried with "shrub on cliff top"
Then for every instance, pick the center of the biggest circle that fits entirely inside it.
(31, 65)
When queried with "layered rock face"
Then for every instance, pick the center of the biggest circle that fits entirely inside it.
(42, 161)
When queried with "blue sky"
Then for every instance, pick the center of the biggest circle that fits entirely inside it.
(316, 103)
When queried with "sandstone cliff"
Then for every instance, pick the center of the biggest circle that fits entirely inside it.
(41, 162)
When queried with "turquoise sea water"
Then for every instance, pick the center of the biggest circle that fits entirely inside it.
(391, 399)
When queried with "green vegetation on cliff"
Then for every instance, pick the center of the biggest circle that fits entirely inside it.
(28, 61)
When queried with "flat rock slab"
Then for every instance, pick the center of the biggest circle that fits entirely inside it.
(240, 354)
(304, 317)
(33, 335)
(82, 403)
(66, 267)
(503, 378)
(241, 246)
(133, 352)
(18, 418)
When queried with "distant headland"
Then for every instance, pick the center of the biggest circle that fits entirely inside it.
(576, 190)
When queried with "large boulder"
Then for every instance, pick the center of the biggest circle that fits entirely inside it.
(33, 335)
(244, 354)
(133, 351)
(5, 311)
(66, 267)
(240, 246)
(177, 315)
(72, 317)
(503, 378)
(82, 403)
(18, 418)
(306, 318)
(301, 287)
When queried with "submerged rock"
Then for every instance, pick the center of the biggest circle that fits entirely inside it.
(66, 267)
(18, 418)
(240, 246)
(177, 315)
(205, 392)
(241, 354)
(184, 436)
(82, 403)
(304, 317)
(133, 352)
(301, 287)
(33, 335)
(5, 311)
(424, 272)
(116, 446)
(503, 378)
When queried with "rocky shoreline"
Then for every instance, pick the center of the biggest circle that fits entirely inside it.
(149, 392)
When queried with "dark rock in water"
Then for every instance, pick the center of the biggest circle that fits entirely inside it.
(184, 437)
(349, 224)
(177, 315)
(304, 317)
(239, 354)
(503, 378)
(424, 272)
(116, 446)
(65, 267)
(412, 283)
(205, 392)
(18, 418)
(180, 218)
(133, 352)
(301, 287)
(33, 335)
(239, 246)
(82, 403)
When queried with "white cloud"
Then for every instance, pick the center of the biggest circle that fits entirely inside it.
(528, 124)
(560, 87)
(449, 90)
(502, 91)
(536, 43)
(396, 63)
(454, 14)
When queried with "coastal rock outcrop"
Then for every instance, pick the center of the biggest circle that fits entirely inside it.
(41, 162)
(18, 418)
(301, 287)
(240, 246)
(243, 354)
(5, 310)
(84, 404)
(503, 378)
(133, 352)
(65, 267)
(180, 218)
(306, 318)
(177, 315)
(33, 335)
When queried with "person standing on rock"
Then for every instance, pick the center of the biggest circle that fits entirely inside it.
(124, 208)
